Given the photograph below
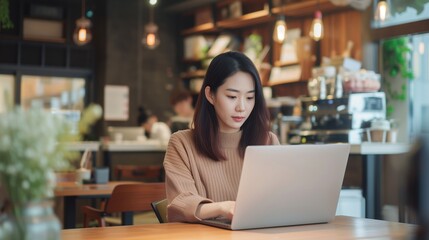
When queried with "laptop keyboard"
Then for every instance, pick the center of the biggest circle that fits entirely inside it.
(218, 222)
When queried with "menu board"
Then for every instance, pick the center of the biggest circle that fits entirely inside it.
(116, 103)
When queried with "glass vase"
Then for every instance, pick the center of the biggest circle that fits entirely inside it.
(36, 220)
(6, 227)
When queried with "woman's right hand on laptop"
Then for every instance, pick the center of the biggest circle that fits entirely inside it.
(216, 209)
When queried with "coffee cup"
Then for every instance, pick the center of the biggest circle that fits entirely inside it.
(101, 175)
(82, 174)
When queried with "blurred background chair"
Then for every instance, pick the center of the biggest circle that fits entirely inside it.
(160, 209)
(150, 173)
(127, 199)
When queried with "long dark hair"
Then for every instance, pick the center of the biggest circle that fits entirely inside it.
(255, 131)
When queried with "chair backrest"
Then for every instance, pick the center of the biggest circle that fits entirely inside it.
(134, 197)
(160, 209)
(150, 173)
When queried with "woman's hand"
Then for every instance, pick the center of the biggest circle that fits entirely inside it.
(227, 209)
(211, 210)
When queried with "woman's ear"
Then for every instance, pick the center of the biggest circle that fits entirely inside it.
(209, 95)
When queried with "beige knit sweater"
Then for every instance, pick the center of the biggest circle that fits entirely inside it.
(192, 178)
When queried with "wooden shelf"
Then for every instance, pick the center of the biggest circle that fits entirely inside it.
(192, 60)
(307, 8)
(193, 74)
(279, 82)
(42, 39)
(285, 64)
(203, 28)
(246, 20)
(225, 3)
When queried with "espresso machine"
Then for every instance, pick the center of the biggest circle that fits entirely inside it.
(338, 119)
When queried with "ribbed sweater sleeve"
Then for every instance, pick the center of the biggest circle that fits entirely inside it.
(182, 193)
(192, 179)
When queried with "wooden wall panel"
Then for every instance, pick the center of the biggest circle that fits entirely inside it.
(339, 29)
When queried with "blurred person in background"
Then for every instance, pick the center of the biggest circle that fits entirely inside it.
(181, 101)
(153, 129)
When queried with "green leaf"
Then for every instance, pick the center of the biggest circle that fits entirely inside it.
(5, 21)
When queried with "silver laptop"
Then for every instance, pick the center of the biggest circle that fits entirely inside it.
(286, 185)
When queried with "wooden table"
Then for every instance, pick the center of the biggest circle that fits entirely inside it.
(70, 191)
(341, 228)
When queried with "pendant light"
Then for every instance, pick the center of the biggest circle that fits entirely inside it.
(279, 34)
(82, 33)
(316, 29)
(280, 28)
(383, 11)
(150, 36)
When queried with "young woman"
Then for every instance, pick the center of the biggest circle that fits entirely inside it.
(203, 165)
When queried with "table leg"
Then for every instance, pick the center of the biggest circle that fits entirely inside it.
(372, 185)
(106, 163)
(69, 212)
(127, 218)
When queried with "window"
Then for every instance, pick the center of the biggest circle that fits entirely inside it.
(54, 93)
(403, 12)
(419, 87)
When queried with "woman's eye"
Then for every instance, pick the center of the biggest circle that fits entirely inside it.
(250, 98)
(232, 97)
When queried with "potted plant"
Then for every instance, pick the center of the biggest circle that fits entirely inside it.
(396, 53)
(33, 146)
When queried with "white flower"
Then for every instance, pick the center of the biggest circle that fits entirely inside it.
(4, 142)
(25, 185)
(11, 170)
(30, 148)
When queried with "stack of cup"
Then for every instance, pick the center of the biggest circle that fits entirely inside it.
(378, 130)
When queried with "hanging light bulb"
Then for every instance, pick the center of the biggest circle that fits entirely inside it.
(383, 11)
(279, 34)
(82, 33)
(150, 36)
(316, 29)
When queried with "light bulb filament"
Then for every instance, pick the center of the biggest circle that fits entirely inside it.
(281, 32)
(317, 30)
(150, 39)
(82, 35)
(382, 12)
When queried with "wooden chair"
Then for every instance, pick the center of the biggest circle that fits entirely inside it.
(160, 210)
(150, 173)
(125, 199)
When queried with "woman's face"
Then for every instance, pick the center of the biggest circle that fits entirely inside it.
(233, 101)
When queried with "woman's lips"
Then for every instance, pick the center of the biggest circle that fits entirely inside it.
(238, 119)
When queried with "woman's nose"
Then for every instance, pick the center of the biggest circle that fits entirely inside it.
(240, 106)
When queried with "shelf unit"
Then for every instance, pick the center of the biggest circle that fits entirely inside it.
(252, 13)
(30, 44)
(259, 16)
